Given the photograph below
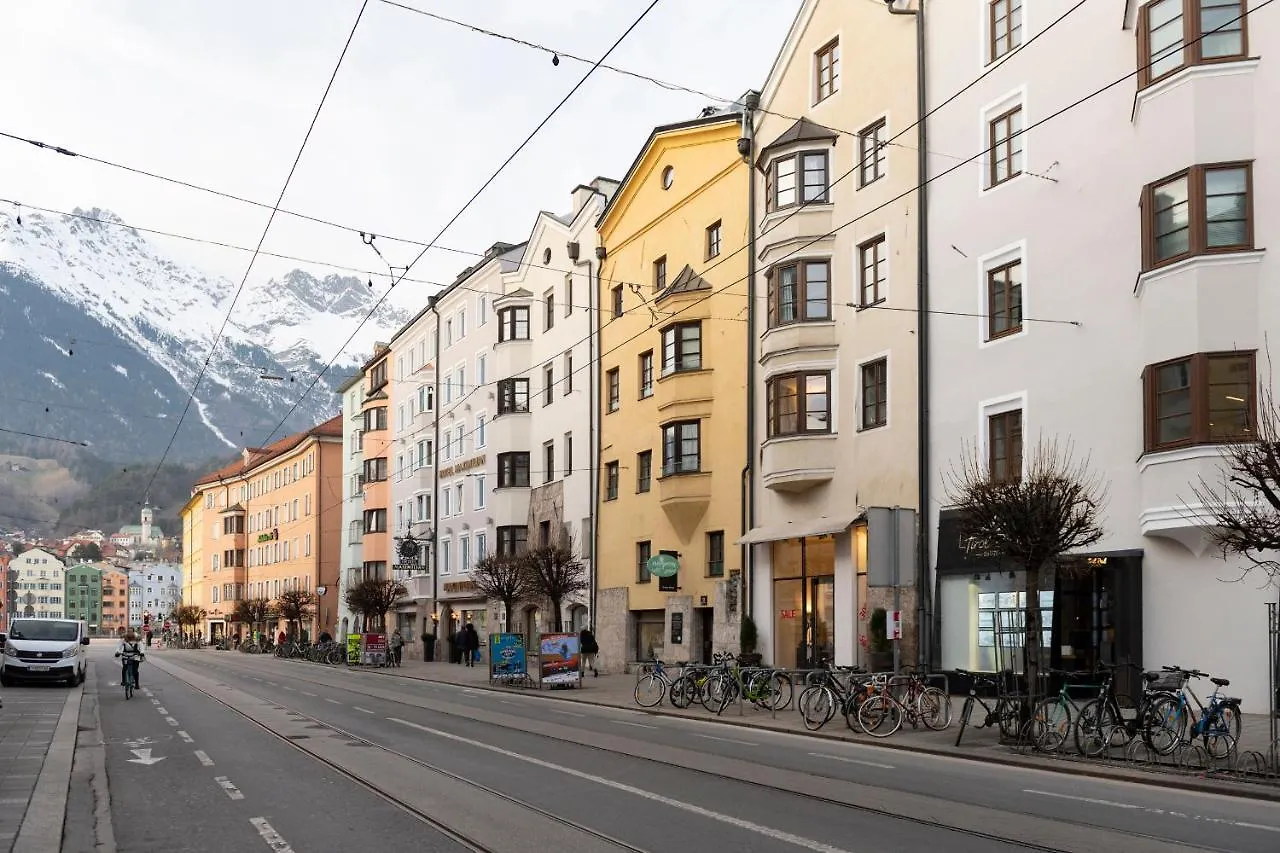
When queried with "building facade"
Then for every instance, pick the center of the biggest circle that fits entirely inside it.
(155, 591)
(376, 441)
(351, 393)
(1107, 275)
(196, 581)
(84, 595)
(672, 342)
(115, 600)
(834, 360)
(37, 579)
(557, 269)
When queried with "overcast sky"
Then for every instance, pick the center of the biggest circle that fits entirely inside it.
(220, 93)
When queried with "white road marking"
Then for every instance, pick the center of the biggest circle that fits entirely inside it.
(505, 702)
(171, 721)
(232, 791)
(727, 740)
(767, 831)
(273, 684)
(146, 691)
(1094, 801)
(305, 693)
(155, 701)
(143, 757)
(565, 713)
(162, 710)
(474, 692)
(204, 758)
(269, 835)
(188, 738)
(287, 687)
(334, 701)
(629, 723)
(852, 760)
(362, 710)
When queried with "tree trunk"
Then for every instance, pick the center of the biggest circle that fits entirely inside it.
(558, 620)
(508, 606)
(1031, 642)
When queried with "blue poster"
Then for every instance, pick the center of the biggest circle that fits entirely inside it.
(507, 656)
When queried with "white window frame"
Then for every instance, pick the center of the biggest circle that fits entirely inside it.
(998, 406)
(479, 436)
(1006, 102)
(445, 553)
(481, 500)
(998, 258)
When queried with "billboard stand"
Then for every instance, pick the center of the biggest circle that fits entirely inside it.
(559, 661)
(508, 662)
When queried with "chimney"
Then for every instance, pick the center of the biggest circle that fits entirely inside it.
(581, 195)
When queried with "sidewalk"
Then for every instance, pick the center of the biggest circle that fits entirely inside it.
(616, 691)
(37, 737)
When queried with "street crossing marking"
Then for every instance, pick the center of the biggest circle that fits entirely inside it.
(204, 758)
(232, 791)
(274, 840)
(847, 760)
(188, 738)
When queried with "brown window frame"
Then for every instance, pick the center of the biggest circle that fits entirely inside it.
(878, 244)
(513, 469)
(511, 320)
(549, 308)
(509, 395)
(611, 481)
(644, 550)
(872, 163)
(613, 386)
(660, 274)
(997, 37)
(1199, 391)
(879, 410)
(377, 377)
(713, 239)
(1197, 222)
(715, 554)
(797, 158)
(801, 267)
(773, 414)
(548, 385)
(616, 302)
(644, 471)
(831, 52)
(1014, 440)
(1192, 39)
(994, 141)
(1013, 323)
(645, 366)
(678, 346)
(673, 465)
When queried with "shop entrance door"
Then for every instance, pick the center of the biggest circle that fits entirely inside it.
(821, 632)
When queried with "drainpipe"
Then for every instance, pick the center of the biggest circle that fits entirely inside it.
(747, 148)
(435, 476)
(923, 610)
(592, 430)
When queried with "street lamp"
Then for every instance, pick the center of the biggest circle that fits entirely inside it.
(410, 549)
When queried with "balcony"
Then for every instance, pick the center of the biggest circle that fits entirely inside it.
(418, 586)
(798, 340)
(510, 358)
(1169, 506)
(684, 395)
(684, 498)
(797, 463)
(509, 431)
(507, 506)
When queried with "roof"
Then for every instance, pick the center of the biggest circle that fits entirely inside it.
(498, 251)
(802, 131)
(351, 382)
(259, 456)
(687, 281)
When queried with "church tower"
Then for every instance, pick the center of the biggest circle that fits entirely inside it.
(146, 524)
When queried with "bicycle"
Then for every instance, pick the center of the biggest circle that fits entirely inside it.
(826, 693)
(1102, 721)
(920, 703)
(1053, 717)
(655, 678)
(1007, 712)
(1218, 725)
(128, 673)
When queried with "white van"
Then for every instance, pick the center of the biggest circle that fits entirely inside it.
(45, 650)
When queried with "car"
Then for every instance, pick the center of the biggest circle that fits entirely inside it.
(45, 650)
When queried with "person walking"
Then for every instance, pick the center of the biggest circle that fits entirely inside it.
(588, 648)
(470, 643)
(396, 644)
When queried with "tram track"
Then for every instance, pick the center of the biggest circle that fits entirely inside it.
(1019, 843)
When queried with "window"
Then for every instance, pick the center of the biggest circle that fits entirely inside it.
(644, 471)
(871, 153)
(462, 381)
(375, 521)
(1204, 210)
(798, 403)
(660, 273)
(1004, 135)
(448, 332)
(424, 453)
(715, 554)
(568, 453)
(375, 470)
(480, 540)
(1004, 26)
(1004, 300)
(446, 556)
(1170, 34)
(375, 418)
(512, 540)
(378, 376)
(513, 469)
(481, 495)
(479, 434)
(549, 309)
(462, 323)
(616, 301)
(1200, 399)
(682, 347)
(482, 310)
(614, 383)
(611, 481)
(781, 189)
(464, 554)
(457, 498)
(548, 461)
(799, 293)
(426, 398)
(681, 448)
(423, 503)
(568, 294)
(457, 440)
(827, 70)
(481, 370)
(646, 374)
(644, 550)
(668, 177)
(875, 394)
(544, 533)
(713, 240)
(513, 396)
(446, 502)
(1004, 445)
(873, 264)
(513, 323)
(567, 381)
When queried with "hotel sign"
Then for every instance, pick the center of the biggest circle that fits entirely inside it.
(462, 467)
(460, 586)
(273, 533)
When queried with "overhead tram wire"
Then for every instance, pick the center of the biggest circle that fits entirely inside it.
(45, 437)
(464, 209)
(315, 116)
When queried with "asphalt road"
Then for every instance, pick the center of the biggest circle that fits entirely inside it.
(510, 772)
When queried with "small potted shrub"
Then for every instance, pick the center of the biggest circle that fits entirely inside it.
(747, 639)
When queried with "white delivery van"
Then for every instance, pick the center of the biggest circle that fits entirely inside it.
(45, 650)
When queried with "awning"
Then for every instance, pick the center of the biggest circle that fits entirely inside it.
(821, 526)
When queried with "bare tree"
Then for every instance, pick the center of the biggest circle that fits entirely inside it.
(557, 574)
(1244, 507)
(373, 597)
(189, 616)
(1034, 520)
(295, 606)
(254, 612)
(504, 579)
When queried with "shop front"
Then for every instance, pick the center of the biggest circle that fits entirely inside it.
(1090, 608)
(460, 604)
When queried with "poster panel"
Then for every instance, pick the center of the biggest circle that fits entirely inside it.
(507, 656)
(558, 659)
(375, 650)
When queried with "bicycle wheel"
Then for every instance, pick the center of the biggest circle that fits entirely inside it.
(965, 713)
(1222, 731)
(681, 692)
(773, 690)
(817, 706)
(1009, 715)
(1050, 724)
(879, 716)
(649, 690)
(1097, 728)
(934, 707)
(1165, 725)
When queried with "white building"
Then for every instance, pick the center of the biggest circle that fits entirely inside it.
(561, 374)
(352, 571)
(1109, 280)
(40, 580)
(154, 588)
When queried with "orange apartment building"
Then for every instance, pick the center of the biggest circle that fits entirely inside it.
(376, 440)
(115, 602)
(267, 523)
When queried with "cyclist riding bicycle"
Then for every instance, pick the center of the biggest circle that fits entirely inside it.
(133, 656)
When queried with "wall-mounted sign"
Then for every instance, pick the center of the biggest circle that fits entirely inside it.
(788, 614)
(321, 590)
(462, 467)
(460, 586)
(663, 566)
(677, 628)
(273, 533)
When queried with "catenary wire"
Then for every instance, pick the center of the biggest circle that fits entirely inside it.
(45, 437)
(315, 117)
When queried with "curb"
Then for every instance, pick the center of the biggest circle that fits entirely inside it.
(1064, 767)
(41, 829)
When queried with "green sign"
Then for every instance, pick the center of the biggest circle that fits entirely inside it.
(662, 566)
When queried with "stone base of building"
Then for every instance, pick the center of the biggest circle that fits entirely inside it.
(683, 631)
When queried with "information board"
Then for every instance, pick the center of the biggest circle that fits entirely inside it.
(507, 657)
(558, 660)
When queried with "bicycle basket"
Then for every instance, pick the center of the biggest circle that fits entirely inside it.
(1168, 682)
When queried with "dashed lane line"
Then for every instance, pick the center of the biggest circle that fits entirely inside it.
(362, 710)
(171, 721)
(847, 760)
(274, 840)
(186, 737)
(204, 758)
(629, 723)
(232, 791)
(334, 701)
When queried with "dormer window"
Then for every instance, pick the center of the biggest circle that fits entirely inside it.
(800, 178)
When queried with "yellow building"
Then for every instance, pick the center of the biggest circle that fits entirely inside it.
(195, 588)
(673, 348)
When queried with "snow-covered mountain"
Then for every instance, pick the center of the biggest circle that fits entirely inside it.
(102, 335)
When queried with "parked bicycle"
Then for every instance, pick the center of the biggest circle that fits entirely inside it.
(1007, 712)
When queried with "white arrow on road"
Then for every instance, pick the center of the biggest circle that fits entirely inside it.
(144, 757)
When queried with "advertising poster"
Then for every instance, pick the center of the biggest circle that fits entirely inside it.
(353, 649)
(558, 659)
(506, 656)
(375, 649)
